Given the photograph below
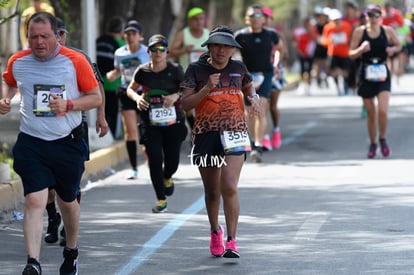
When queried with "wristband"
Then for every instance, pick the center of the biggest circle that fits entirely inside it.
(253, 95)
(69, 105)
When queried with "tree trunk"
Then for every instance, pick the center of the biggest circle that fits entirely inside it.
(107, 10)
(69, 12)
(220, 13)
(179, 21)
(154, 17)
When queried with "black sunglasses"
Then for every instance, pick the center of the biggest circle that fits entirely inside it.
(373, 15)
(256, 15)
(158, 48)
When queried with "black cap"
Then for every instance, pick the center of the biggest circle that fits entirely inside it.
(60, 25)
(157, 39)
(132, 26)
(223, 38)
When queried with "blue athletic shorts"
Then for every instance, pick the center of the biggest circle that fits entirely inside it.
(55, 164)
(266, 87)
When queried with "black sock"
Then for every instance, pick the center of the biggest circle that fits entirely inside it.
(32, 260)
(51, 210)
(71, 253)
(229, 238)
(131, 146)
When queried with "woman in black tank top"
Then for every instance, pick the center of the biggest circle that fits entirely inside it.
(370, 42)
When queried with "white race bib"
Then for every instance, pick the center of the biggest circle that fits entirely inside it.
(42, 97)
(235, 141)
(376, 72)
(160, 116)
(339, 38)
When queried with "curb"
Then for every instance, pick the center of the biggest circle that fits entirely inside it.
(11, 195)
(11, 192)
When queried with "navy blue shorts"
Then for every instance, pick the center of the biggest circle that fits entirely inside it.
(266, 87)
(343, 63)
(55, 164)
(207, 150)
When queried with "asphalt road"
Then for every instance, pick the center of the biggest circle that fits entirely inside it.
(315, 206)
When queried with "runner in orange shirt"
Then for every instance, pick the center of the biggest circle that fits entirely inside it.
(304, 38)
(351, 15)
(336, 36)
(391, 16)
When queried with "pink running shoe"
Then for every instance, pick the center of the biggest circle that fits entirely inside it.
(231, 250)
(276, 140)
(385, 149)
(216, 243)
(266, 143)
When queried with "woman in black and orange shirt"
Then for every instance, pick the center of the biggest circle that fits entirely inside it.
(215, 86)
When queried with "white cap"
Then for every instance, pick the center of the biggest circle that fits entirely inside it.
(326, 11)
(335, 14)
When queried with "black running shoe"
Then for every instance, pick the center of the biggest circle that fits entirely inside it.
(62, 237)
(70, 264)
(32, 267)
(53, 229)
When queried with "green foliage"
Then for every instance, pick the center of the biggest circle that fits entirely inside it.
(6, 157)
(282, 9)
(4, 3)
(5, 154)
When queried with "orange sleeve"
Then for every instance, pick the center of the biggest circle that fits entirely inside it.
(84, 72)
(8, 73)
(399, 18)
(325, 34)
(85, 76)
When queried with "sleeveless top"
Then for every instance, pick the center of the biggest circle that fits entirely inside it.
(188, 39)
(378, 46)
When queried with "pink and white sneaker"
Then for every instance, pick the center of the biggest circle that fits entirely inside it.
(267, 145)
(276, 140)
(231, 250)
(216, 243)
